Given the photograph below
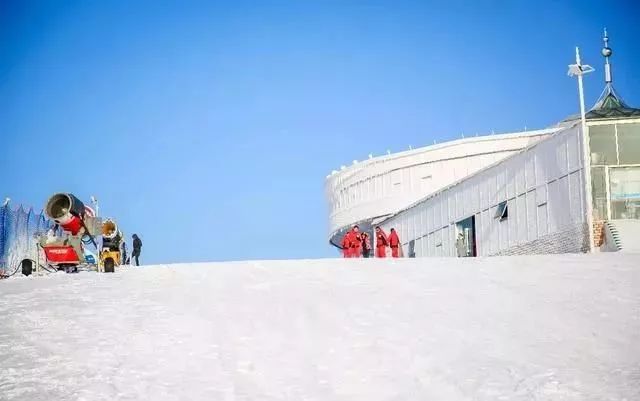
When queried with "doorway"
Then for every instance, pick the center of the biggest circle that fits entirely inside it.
(466, 237)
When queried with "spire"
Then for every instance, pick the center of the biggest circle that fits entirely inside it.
(606, 52)
(609, 99)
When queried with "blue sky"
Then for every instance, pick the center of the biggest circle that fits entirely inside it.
(208, 128)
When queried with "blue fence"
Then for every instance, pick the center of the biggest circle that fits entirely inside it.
(17, 229)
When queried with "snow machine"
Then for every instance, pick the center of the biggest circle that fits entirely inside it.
(110, 254)
(77, 222)
(66, 244)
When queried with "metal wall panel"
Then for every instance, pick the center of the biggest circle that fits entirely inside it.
(521, 203)
(553, 205)
(530, 171)
(543, 225)
(532, 219)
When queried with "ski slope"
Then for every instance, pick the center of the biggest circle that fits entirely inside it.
(564, 327)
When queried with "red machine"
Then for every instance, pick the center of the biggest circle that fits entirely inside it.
(70, 214)
(61, 255)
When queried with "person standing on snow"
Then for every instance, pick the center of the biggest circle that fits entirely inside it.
(366, 245)
(137, 248)
(381, 243)
(346, 244)
(394, 243)
(356, 242)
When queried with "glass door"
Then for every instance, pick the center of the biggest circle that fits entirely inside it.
(624, 192)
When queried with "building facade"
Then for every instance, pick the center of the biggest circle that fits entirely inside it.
(504, 194)
(380, 187)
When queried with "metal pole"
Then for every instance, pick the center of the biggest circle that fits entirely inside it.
(586, 154)
(37, 259)
(94, 202)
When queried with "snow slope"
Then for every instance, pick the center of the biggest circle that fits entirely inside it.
(563, 327)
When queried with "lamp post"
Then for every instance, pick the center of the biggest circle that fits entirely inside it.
(578, 69)
(95, 204)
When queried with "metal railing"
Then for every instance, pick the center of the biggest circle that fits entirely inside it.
(18, 227)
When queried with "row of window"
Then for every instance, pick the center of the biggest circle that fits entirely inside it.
(616, 192)
(392, 183)
(615, 144)
(419, 179)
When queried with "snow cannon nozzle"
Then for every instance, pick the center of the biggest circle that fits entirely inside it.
(67, 211)
(111, 235)
(61, 205)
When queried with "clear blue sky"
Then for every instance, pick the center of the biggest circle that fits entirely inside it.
(208, 128)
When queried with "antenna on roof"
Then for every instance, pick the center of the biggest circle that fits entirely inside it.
(606, 52)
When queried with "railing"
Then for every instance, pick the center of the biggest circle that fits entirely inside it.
(17, 229)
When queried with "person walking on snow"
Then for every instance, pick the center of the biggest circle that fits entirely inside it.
(394, 243)
(366, 245)
(381, 243)
(137, 248)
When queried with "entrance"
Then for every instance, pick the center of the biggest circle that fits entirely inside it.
(624, 192)
(466, 237)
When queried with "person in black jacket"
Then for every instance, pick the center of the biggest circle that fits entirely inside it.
(137, 247)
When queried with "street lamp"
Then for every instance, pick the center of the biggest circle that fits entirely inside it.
(578, 69)
(95, 204)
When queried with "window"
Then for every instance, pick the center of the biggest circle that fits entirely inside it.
(629, 143)
(625, 192)
(602, 139)
(502, 212)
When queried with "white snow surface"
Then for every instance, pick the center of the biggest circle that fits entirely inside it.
(557, 327)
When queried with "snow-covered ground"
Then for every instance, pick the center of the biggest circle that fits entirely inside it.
(563, 327)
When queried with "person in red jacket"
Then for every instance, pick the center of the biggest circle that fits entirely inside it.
(356, 242)
(394, 243)
(346, 244)
(381, 243)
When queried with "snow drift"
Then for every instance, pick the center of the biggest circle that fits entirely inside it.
(563, 327)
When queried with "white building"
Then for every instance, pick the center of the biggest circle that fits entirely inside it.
(503, 194)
